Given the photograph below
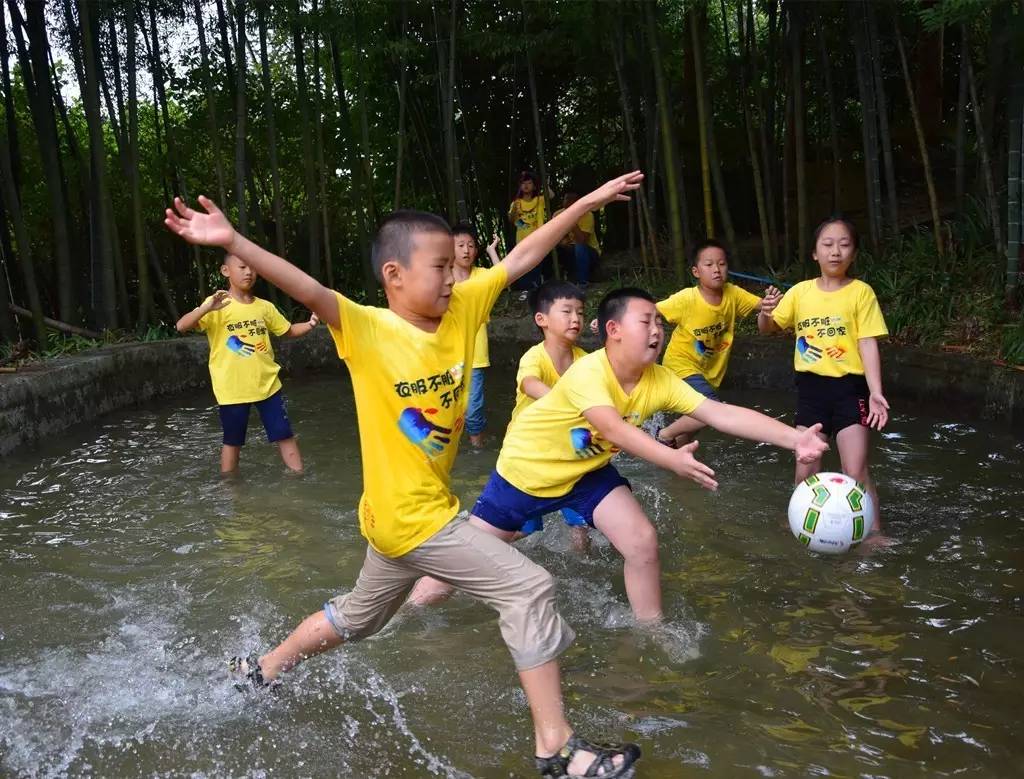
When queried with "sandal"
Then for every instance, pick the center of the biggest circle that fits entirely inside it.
(247, 674)
(603, 765)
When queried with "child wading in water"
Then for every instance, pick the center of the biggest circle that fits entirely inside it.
(242, 368)
(558, 312)
(466, 251)
(557, 452)
(407, 364)
(705, 319)
(837, 322)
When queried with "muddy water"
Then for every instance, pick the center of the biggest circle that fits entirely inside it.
(131, 571)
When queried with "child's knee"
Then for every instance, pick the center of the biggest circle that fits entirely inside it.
(643, 545)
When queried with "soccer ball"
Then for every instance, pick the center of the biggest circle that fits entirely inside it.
(830, 512)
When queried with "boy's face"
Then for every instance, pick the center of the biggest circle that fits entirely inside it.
(424, 287)
(639, 332)
(239, 275)
(835, 250)
(466, 250)
(563, 320)
(712, 268)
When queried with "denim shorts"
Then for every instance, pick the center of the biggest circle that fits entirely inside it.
(508, 508)
(234, 418)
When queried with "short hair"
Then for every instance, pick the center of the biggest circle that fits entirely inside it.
(395, 235)
(708, 243)
(464, 228)
(838, 219)
(614, 304)
(544, 296)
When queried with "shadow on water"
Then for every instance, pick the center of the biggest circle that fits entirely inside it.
(131, 571)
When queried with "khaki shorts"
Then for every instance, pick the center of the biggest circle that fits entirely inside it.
(470, 560)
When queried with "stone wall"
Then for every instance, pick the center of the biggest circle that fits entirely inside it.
(49, 398)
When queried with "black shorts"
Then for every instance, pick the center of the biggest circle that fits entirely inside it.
(836, 402)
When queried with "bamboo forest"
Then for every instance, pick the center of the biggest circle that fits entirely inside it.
(307, 121)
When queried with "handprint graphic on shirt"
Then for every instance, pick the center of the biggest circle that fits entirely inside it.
(707, 350)
(583, 443)
(240, 347)
(807, 351)
(429, 437)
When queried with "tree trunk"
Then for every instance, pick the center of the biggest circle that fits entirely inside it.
(1015, 167)
(675, 205)
(225, 44)
(869, 123)
(12, 204)
(983, 152)
(309, 173)
(702, 122)
(648, 236)
(883, 120)
(49, 151)
(213, 127)
(269, 116)
(240, 118)
(961, 126)
(746, 99)
(922, 144)
(103, 269)
(833, 124)
(763, 131)
(403, 83)
(796, 72)
(145, 292)
(321, 165)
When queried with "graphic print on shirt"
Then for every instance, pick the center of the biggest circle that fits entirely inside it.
(819, 330)
(416, 422)
(244, 349)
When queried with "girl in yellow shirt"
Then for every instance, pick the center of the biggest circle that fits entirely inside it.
(837, 322)
(528, 211)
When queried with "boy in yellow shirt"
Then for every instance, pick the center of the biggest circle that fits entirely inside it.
(557, 452)
(407, 364)
(705, 318)
(466, 251)
(581, 243)
(242, 369)
(837, 322)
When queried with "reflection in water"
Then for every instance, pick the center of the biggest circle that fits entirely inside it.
(131, 570)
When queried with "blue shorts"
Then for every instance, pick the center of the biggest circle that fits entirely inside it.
(508, 508)
(702, 386)
(234, 418)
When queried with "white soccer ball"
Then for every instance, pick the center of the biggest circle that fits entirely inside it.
(830, 512)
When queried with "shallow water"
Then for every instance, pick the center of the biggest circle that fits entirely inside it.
(131, 571)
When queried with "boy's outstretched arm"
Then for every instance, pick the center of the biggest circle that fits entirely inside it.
(216, 301)
(302, 328)
(536, 246)
(747, 423)
(534, 388)
(607, 421)
(213, 229)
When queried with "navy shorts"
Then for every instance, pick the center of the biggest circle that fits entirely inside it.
(507, 507)
(234, 418)
(836, 402)
(699, 383)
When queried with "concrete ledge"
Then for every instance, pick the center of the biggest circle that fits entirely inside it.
(47, 399)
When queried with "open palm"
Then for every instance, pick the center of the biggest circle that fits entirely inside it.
(616, 189)
(209, 229)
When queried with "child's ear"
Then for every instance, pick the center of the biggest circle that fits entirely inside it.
(224, 270)
(391, 273)
(540, 320)
(693, 270)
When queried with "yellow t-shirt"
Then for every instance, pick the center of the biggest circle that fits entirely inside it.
(586, 224)
(242, 367)
(829, 324)
(532, 214)
(703, 336)
(536, 362)
(550, 445)
(411, 390)
(482, 350)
